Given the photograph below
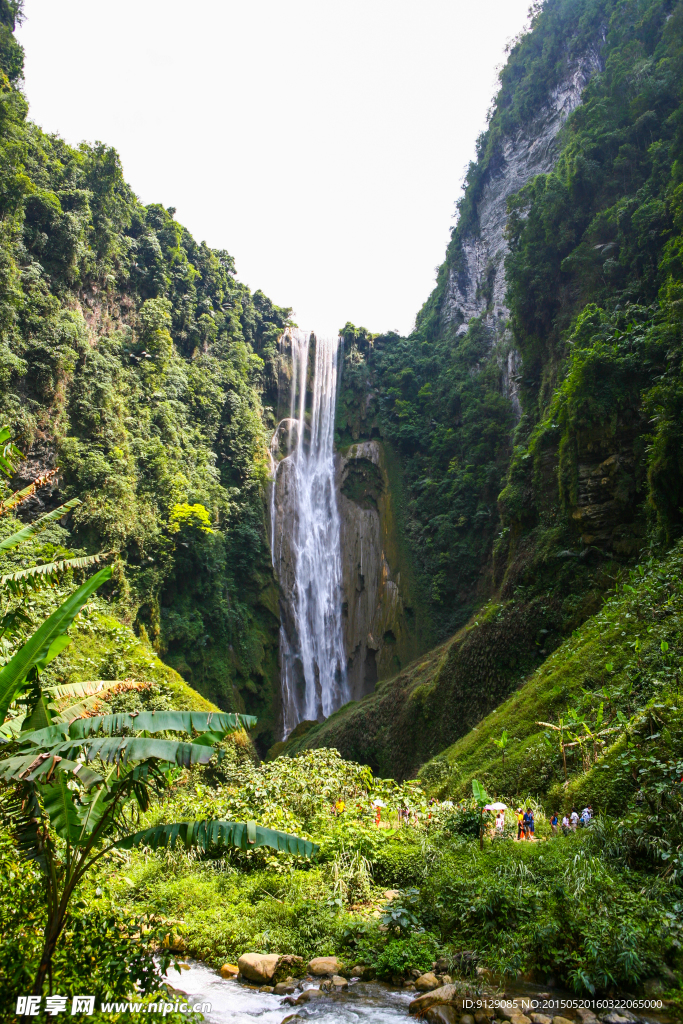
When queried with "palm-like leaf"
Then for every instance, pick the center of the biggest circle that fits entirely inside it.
(115, 749)
(59, 804)
(87, 688)
(19, 497)
(206, 834)
(37, 647)
(33, 528)
(217, 722)
(38, 576)
(29, 767)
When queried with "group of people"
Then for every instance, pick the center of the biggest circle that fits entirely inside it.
(526, 824)
(570, 822)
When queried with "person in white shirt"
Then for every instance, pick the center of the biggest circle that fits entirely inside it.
(585, 816)
(574, 818)
(565, 824)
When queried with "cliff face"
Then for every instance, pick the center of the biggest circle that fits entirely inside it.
(476, 284)
(378, 620)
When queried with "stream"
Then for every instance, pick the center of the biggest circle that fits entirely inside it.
(233, 1003)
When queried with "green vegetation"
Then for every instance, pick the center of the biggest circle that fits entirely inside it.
(133, 359)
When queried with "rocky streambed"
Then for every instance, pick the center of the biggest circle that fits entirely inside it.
(255, 989)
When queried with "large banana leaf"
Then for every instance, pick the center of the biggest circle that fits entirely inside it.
(218, 722)
(33, 528)
(37, 647)
(59, 804)
(85, 689)
(38, 576)
(205, 834)
(29, 767)
(112, 749)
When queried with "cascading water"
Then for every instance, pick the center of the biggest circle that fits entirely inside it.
(305, 540)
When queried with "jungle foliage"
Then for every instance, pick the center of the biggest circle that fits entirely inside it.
(133, 359)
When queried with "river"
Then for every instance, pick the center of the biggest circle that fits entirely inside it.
(234, 1003)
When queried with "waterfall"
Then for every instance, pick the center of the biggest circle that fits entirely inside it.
(305, 539)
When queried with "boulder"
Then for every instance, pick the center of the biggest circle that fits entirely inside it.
(616, 1017)
(289, 966)
(427, 982)
(325, 966)
(561, 1020)
(229, 971)
(360, 971)
(308, 996)
(339, 983)
(441, 1015)
(447, 995)
(520, 1018)
(258, 967)
(442, 965)
(467, 1018)
(484, 1016)
(445, 979)
(284, 988)
(540, 1018)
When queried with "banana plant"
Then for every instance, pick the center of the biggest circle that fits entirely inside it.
(66, 816)
(481, 798)
(501, 743)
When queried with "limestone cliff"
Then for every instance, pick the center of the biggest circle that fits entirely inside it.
(378, 622)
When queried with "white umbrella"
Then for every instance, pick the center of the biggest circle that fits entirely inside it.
(496, 807)
(378, 803)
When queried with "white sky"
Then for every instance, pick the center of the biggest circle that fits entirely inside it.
(321, 143)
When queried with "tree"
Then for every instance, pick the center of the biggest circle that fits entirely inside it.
(66, 816)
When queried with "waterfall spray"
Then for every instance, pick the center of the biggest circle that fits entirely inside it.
(312, 661)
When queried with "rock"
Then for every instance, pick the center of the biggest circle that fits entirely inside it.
(447, 995)
(427, 982)
(267, 988)
(360, 971)
(467, 1018)
(308, 995)
(441, 1015)
(540, 1018)
(583, 1013)
(289, 966)
(445, 979)
(258, 967)
(616, 1017)
(292, 1017)
(482, 1016)
(442, 965)
(392, 894)
(339, 983)
(284, 988)
(519, 1018)
(229, 971)
(323, 966)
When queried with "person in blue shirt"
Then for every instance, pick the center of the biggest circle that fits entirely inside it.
(530, 817)
(553, 823)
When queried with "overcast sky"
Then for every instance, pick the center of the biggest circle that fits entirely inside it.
(323, 144)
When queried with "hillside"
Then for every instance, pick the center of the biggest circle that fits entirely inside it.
(535, 410)
(133, 359)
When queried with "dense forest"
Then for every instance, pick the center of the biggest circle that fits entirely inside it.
(534, 454)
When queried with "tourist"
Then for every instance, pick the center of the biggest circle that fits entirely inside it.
(500, 822)
(586, 815)
(553, 823)
(574, 818)
(530, 823)
(565, 824)
(339, 806)
(520, 823)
